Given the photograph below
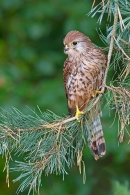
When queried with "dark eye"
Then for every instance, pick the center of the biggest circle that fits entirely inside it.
(74, 43)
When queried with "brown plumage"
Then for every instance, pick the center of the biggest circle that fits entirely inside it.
(83, 74)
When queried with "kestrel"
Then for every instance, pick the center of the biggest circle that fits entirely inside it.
(83, 74)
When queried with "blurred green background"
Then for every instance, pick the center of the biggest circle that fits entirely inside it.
(31, 63)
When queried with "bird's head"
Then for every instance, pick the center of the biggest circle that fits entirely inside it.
(76, 43)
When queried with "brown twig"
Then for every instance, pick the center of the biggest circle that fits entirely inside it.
(125, 42)
(54, 126)
(111, 44)
(94, 4)
(121, 49)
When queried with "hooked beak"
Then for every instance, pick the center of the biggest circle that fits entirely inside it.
(66, 48)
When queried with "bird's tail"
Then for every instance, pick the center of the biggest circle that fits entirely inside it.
(96, 141)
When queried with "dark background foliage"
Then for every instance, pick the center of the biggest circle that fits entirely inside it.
(31, 63)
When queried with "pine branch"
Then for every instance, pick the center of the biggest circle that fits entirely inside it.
(118, 53)
(49, 143)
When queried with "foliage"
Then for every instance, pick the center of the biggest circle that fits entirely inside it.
(117, 41)
(120, 189)
(47, 146)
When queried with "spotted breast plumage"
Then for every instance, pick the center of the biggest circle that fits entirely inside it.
(83, 74)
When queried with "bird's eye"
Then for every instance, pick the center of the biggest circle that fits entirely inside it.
(74, 43)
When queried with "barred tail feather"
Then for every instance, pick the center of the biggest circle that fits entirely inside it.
(96, 141)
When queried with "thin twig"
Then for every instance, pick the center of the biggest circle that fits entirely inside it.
(94, 4)
(120, 18)
(42, 127)
(111, 43)
(102, 4)
(121, 49)
(120, 90)
(126, 72)
(125, 42)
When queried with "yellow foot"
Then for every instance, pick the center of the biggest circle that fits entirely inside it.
(96, 92)
(78, 112)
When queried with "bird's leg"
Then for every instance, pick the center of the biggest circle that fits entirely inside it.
(78, 112)
(96, 92)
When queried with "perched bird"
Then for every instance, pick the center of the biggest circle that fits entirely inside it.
(83, 74)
